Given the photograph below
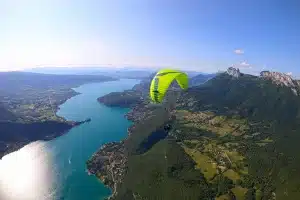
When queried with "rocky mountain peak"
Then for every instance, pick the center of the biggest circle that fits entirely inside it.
(281, 79)
(235, 72)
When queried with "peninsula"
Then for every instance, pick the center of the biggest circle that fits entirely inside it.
(28, 106)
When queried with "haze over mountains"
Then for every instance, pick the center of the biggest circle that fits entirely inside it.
(116, 72)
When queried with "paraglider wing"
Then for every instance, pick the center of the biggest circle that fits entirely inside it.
(162, 80)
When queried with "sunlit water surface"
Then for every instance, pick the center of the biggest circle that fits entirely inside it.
(56, 170)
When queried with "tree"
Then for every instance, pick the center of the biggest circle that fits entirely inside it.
(231, 195)
(224, 185)
(250, 194)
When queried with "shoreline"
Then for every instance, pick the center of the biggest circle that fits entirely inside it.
(11, 147)
(108, 163)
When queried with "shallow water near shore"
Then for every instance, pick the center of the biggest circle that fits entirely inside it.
(56, 169)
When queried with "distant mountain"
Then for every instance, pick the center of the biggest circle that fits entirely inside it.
(121, 72)
(134, 73)
(15, 82)
(200, 79)
(70, 70)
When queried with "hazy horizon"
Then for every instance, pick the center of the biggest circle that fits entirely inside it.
(204, 36)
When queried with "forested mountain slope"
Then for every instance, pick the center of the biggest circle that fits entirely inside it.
(254, 118)
(234, 137)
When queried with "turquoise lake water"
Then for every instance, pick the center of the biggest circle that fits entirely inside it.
(56, 170)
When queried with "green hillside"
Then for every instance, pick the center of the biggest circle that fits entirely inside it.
(249, 96)
(257, 128)
(230, 138)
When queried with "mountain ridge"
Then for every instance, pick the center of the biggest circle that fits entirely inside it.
(240, 133)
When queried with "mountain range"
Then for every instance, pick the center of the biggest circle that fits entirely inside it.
(234, 137)
(115, 72)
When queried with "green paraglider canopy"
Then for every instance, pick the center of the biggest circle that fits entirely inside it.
(162, 80)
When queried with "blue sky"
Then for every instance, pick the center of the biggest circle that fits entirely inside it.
(200, 35)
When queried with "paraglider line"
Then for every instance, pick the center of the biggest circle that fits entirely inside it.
(156, 89)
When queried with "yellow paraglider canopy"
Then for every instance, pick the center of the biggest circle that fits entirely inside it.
(162, 80)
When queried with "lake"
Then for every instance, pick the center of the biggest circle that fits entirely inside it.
(56, 170)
